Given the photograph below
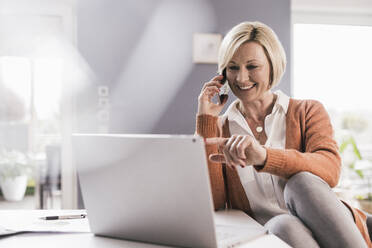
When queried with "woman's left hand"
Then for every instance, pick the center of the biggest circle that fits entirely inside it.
(238, 150)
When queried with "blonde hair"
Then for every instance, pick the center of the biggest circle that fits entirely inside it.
(263, 35)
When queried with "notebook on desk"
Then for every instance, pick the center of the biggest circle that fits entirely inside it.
(152, 188)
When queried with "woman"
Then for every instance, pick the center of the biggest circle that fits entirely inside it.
(278, 158)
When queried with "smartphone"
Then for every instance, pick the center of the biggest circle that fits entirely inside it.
(224, 90)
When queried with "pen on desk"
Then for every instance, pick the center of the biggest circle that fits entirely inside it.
(64, 217)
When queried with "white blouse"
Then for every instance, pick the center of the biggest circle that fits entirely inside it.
(264, 190)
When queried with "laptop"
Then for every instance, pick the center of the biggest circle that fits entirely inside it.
(153, 188)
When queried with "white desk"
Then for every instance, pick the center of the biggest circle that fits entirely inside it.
(81, 239)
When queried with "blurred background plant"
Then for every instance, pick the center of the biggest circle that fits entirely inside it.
(15, 170)
(14, 163)
(354, 161)
(349, 142)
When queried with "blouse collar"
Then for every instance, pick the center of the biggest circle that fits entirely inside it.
(233, 113)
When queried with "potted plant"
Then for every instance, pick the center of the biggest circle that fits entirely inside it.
(15, 169)
(365, 200)
(362, 167)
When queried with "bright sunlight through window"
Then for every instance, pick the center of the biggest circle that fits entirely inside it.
(46, 74)
(332, 63)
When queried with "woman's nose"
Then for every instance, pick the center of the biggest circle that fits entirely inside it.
(243, 75)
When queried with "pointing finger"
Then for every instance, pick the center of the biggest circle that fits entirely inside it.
(221, 142)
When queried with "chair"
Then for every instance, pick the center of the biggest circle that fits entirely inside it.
(50, 178)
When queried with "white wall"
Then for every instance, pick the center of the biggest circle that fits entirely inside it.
(142, 51)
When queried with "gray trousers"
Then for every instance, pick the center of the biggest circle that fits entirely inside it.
(317, 217)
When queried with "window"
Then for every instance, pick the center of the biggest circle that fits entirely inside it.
(332, 63)
(37, 58)
(37, 85)
(32, 103)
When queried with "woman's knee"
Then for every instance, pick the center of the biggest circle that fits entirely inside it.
(291, 230)
(303, 183)
(305, 179)
(282, 224)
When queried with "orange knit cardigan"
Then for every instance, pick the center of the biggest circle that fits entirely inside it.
(310, 146)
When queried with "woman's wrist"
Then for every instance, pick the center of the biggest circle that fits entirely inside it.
(202, 111)
(262, 157)
(199, 114)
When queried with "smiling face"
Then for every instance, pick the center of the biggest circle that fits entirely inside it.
(248, 72)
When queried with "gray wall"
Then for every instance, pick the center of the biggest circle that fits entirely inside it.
(142, 50)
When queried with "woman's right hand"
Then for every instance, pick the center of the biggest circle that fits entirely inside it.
(209, 90)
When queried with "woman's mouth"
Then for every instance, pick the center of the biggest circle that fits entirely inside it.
(245, 87)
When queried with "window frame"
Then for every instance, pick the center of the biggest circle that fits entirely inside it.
(347, 12)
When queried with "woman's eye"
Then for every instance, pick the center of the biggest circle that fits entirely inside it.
(233, 68)
(251, 67)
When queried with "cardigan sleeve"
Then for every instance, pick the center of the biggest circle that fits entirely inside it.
(207, 127)
(320, 155)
